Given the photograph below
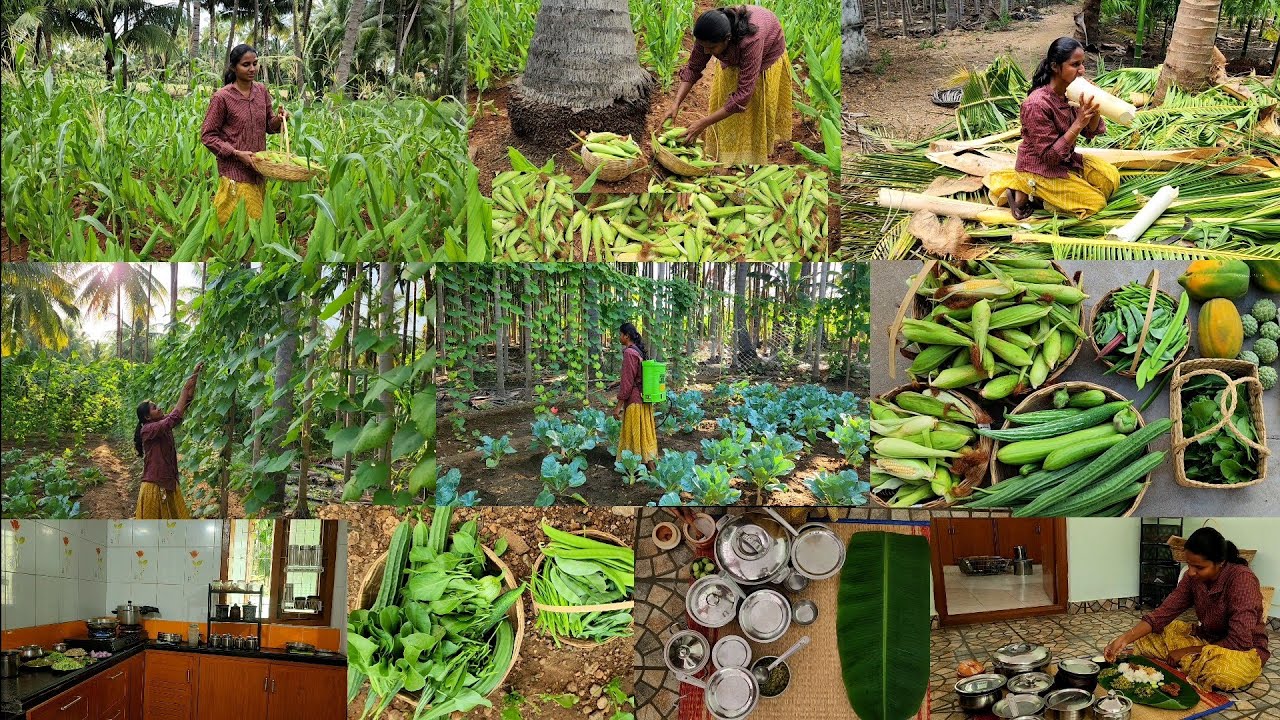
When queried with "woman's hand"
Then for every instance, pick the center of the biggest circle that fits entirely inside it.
(1087, 114)
(1175, 656)
(617, 410)
(1115, 648)
(245, 157)
(281, 114)
(199, 367)
(671, 114)
(696, 129)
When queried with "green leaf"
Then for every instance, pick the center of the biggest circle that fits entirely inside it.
(278, 463)
(374, 434)
(423, 476)
(339, 302)
(407, 441)
(345, 440)
(423, 411)
(882, 624)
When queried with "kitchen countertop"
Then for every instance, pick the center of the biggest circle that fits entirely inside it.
(21, 694)
(1165, 497)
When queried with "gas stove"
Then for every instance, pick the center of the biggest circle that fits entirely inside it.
(125, 636)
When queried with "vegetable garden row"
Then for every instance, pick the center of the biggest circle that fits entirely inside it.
(759, 359)
(315, 384)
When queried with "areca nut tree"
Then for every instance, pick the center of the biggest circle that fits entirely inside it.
(127, 286)
(582, 73)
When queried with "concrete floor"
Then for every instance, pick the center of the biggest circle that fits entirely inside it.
(1165, 497)
(986, 593)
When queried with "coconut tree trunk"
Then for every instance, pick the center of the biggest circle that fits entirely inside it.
(284, 362)
(301, 509)
(746, 352)
(1092, 23)
(1190, 55)
(119, 322)
(855, 55)
(354, 17)
(576, 80)
(386, 275)
(297, 49)
(194, 39)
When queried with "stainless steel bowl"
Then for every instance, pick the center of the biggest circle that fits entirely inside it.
(1067, 704)
(979, 692)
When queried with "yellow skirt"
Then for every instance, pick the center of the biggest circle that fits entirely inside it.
(231, 193)
(749, 137)
(639, 432)
(156, 504)
(1213, 667)
(1079, 194)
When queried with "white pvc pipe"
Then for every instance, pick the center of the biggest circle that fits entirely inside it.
(1155, 207)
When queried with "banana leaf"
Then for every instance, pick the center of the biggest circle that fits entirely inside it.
(882, 621)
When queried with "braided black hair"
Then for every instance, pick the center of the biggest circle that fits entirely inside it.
(144, 416)
(719, 24)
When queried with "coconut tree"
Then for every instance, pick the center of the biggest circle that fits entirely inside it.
(1190, 56)
(355, 16)
(855, 53)
(582, 73)
(121, 24)
(127, 286)
(37, 301)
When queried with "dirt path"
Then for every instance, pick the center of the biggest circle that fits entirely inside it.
(116, 497)
(896, 93)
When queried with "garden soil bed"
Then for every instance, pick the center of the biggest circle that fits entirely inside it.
(542, 668)
(517, 481)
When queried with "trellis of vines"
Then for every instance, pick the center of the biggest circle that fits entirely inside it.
(290, 350)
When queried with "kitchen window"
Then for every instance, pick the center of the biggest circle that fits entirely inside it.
(293, 560)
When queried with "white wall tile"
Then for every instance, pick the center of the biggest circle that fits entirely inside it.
(144, 594)
(94, 531)
(70, 606)
(17, 600)
(18, 550)
(68, 548)
(172, 602)
(171, 565)
(119, 532)
(46, 551)
(171, 533)
(48, 600)
(117, 593)
(119, 564)
(203, 568)
(203, 533)
(196, 604)
(145, 533)
(93, 599)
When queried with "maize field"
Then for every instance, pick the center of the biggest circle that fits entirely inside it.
(91, 174)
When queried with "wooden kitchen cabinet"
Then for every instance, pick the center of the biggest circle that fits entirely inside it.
(137, 678)
(169, 692)
(73, 704)
(232, 687)
(111, 692)
(307, 692)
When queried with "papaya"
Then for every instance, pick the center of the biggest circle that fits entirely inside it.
(1265, 274)
(1219, 330)
(1208, 279)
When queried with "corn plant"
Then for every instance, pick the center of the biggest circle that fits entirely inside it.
(661, 25)
(92, 174)
(498, 36)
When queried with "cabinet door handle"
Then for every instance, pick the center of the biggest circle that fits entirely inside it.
(73, 702)
(188, 675)
(273, 685)
(113, 677)
(264, 684)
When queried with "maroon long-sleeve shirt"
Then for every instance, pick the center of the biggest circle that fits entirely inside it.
(235, 122)
(629, 389)
(159, 454)
(752, 55)
(1045, 150)
(1229, 609)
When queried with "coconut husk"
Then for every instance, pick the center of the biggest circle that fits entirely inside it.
(942, 238)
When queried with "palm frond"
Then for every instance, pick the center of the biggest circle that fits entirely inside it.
(1069, 248)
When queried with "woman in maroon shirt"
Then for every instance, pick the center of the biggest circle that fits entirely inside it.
(750, 102)
(159, 497)
(1048, 169)
(235, 127)
(1227, 646)
(639, 432)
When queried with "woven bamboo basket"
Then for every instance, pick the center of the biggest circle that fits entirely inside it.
(1236, 373)
(1104, 303)
(369, 592)
(612, 169)
(919, 307)
(286, 171)
(674, 163)
(1042, 399)
(539, 608)
(976, 475)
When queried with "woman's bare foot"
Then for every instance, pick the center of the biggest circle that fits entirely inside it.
(1019, 204)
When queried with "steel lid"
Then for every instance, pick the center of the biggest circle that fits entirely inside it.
(687, 652)
(731, 651)
(1079, 666)
(817, 552)
(765, 615)
(731, 693)
(1113, 704)
(1068, 699)
(1013, 706)
(752, 548)
(711, 602)
(1032, 683)
(980, 684)
(1022, 653)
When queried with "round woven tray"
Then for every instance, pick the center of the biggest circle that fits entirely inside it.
(537, 608)
(286, 171)
(1178, 548)
(1128, 370)
(1236, 373)
(976, 475)
(674, 163)
(920, 307)
(1042, 399)
(612, 169)
(369, 591)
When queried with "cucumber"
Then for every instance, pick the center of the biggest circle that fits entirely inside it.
(1076, 452)
(1027, 451)
(1117, 455)
(1053, 428)
(1087, 399)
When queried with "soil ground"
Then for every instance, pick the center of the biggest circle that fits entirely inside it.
(542, 669)
(491, 134)
(517, 481)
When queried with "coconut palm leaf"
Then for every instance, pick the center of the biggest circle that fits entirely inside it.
(1069, 248)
